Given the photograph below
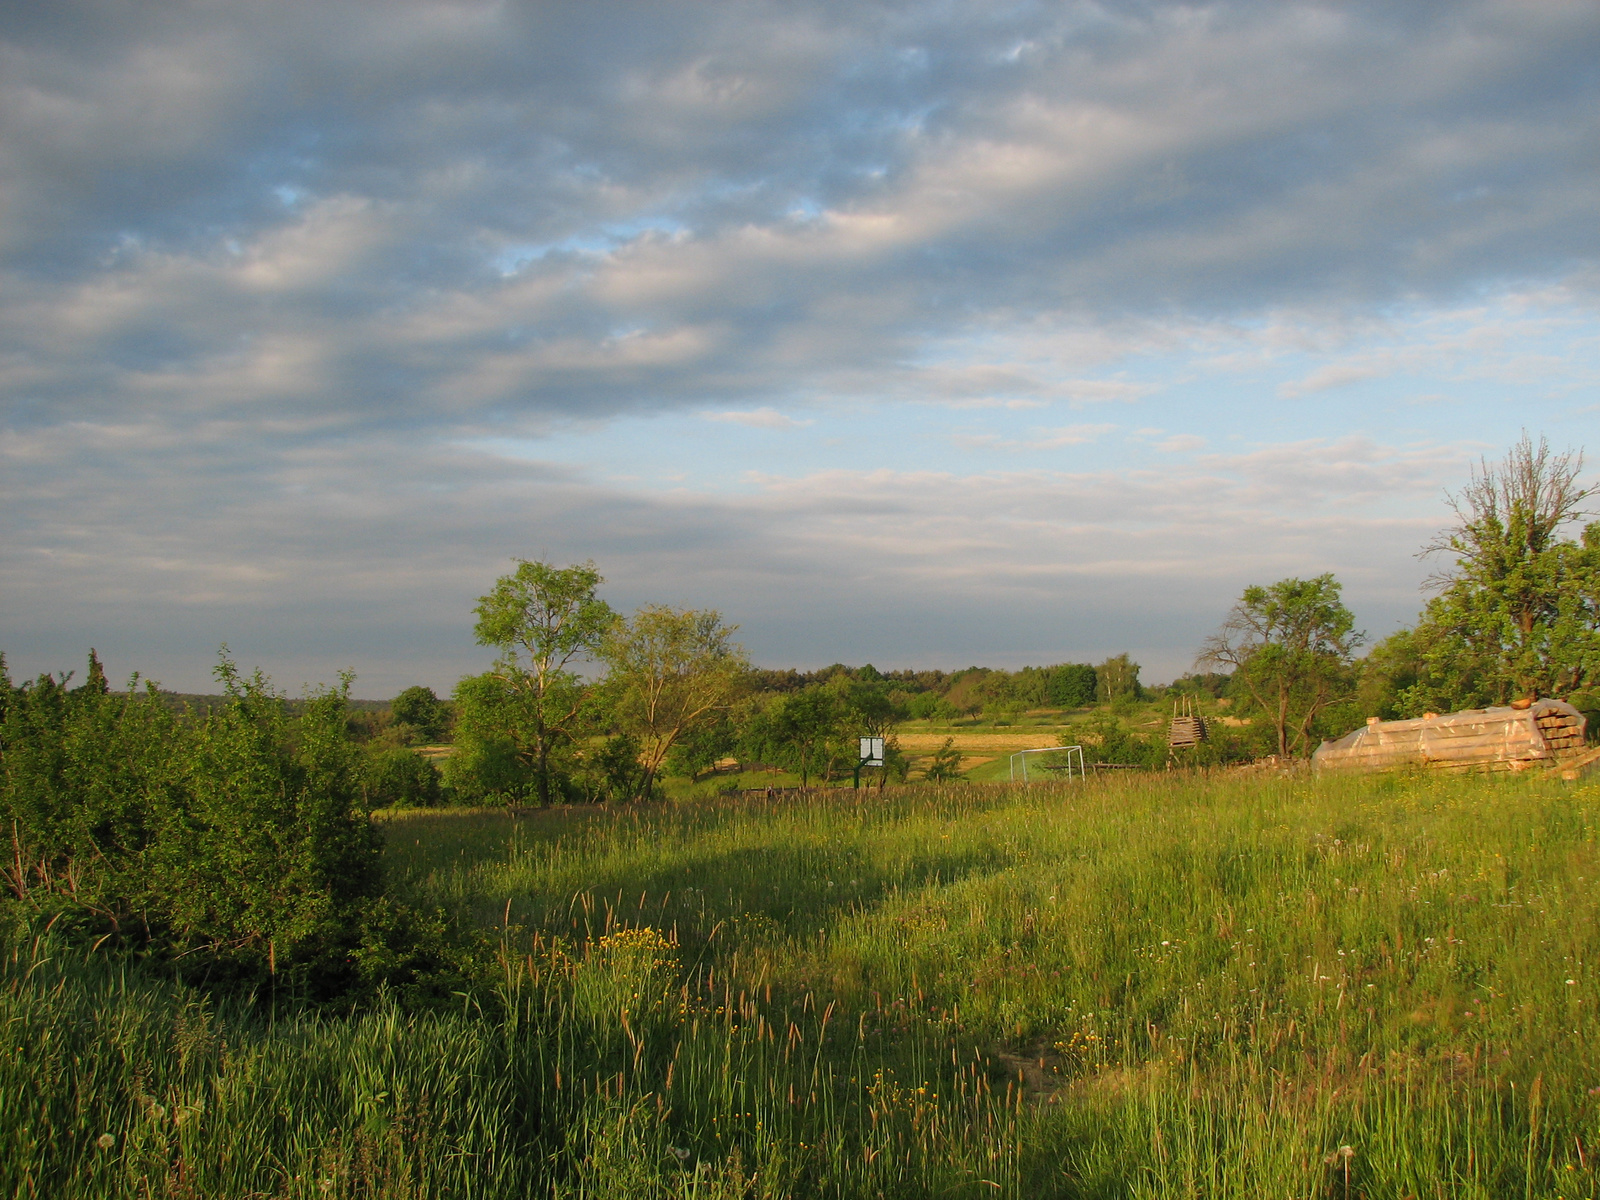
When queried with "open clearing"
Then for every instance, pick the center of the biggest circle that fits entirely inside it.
(1151, 986)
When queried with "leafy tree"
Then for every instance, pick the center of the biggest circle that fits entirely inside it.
(1388, 676)
(612, 772)
(799, 731)
(543, 619)
(869, 710)
(279, 851)
(896, 766)
(1210, 683)
(488, 764)
(868, 707)
(670, 670)
(931, 706)
(89, 783)
(1518, 613)
(421, 711)
(1071, 685)
(1289, 647)
(1117, 679)
(699, 749)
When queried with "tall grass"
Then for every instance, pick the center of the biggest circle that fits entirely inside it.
(1162, 986)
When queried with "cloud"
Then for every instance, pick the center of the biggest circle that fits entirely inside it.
(729, 201)
(372, 554)
(268, 273)
(1336, 375)
(761, 418)
(1037, 438)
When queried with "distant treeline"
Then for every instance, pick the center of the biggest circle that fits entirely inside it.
(974, 690)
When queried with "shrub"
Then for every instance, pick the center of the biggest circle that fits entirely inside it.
(234, 846)
(400, 778)
(485, 769)
(945, 764)
(612, 772)
(422, 712)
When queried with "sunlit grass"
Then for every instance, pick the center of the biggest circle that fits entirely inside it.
(1150, 986)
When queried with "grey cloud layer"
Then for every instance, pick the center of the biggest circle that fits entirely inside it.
(261, 264)
(893, 566)
(460, 213)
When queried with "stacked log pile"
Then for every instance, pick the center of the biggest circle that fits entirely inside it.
(1487, 739)
(1561, 730)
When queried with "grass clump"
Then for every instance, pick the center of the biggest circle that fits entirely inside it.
(1149, 986)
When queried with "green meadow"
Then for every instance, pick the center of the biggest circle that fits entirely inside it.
(1155, 985)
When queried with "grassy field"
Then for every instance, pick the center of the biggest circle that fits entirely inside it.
(1151, 986)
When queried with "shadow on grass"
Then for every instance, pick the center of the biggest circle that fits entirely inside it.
(668, 867)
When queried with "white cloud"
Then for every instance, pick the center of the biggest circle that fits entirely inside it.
(1038, 438)
(761, 418)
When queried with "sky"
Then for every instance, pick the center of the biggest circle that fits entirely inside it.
(926, 334)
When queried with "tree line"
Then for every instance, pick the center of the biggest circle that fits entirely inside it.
(584, 705)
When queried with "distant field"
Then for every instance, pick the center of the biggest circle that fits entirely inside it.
(978, 746)
(1156, 986)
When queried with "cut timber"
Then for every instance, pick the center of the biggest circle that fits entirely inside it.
(1482, 739)
(1582, 765)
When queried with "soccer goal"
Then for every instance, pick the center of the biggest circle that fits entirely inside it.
(1062, 759)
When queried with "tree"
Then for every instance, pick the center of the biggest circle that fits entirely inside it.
(420, 710)
(488, 764)
(798, 730)
(700, 748)
(398, 777)
(1289, 646)
(1518, 611)
(1117, 679)
(1071, 685)
(670, 670)
(1388, 676)
(542, 619)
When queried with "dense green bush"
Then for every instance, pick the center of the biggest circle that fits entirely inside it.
(611, 771)
(234, 845)
(486, 769)
(397, 777)
(1071, 685)
(424, 716)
